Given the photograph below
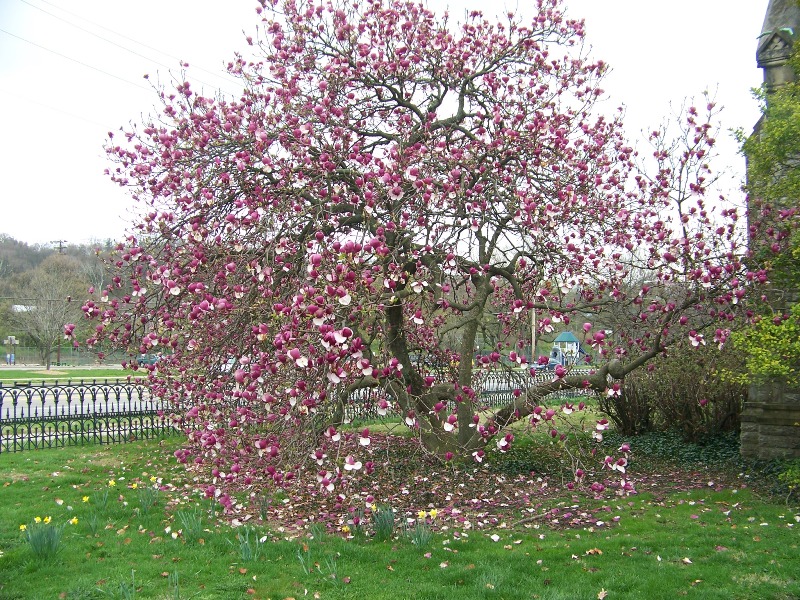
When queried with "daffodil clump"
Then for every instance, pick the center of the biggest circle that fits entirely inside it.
(44, 533)
(101, 501)
(383, 522)
(420, 531)
(147, 494)
(44, 536)
(424, 515)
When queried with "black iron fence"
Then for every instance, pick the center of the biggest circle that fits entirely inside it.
(500, 387)
(495, 389)
(56, 414)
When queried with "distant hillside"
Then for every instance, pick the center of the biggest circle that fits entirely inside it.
(17, 257)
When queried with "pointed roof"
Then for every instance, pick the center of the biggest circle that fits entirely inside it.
(568, 337)
(781, 13)
(781, 27)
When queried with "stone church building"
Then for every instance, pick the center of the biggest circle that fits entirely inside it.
(771, 416)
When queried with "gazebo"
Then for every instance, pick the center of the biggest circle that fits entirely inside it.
(567, 349)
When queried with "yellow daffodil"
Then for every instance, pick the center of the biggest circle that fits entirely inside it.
(112, 483)
(73, 521)
(37, 519)
(23, 527)
(152, 478)
(47, 520)
(85, 498)
(433, 513)
(135, 485)
(346, 529)
(421, 514)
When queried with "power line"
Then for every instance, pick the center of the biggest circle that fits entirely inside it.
(53, 108)
(121, 35)
(113, 43)
(75, 60)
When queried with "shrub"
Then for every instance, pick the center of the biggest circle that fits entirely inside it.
(632, 411)
(682, 391)
(789, 478)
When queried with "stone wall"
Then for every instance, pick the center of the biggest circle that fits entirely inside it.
(771, 422)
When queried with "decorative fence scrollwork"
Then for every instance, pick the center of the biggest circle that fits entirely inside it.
(52, 415)
(495, 389)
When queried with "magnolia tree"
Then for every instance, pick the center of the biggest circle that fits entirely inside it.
(388, 184)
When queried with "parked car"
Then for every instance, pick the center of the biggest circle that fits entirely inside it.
(228, 366)
(147, 359)
(550, 366)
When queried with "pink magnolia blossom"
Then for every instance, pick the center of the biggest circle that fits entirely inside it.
(364, 438)
(351, 464)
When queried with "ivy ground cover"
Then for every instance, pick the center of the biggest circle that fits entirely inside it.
(132, 525)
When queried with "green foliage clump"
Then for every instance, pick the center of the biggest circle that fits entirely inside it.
(790, 478)
(772, 172)
(191, 522)
(148, 496)
(419, 533)
(777, 478)
(773, 180)
(771, 349)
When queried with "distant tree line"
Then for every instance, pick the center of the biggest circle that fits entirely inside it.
(42, 288)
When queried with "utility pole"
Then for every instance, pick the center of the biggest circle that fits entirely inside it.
(61, 246)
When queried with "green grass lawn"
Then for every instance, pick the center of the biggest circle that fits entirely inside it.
(64, 373)
(710, 543)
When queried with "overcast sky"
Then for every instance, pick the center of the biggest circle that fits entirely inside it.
(72, 70)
